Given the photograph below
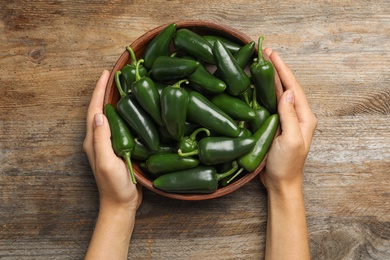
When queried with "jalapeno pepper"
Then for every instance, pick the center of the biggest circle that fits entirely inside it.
(189, 143)
(263, 136)
(263, 76)
(192, 43)
(261, 114)
(128, 72)
(174, 103)
(230, 71)
(159, 46)
(215, 150)
(234, 107)
(141, 152)
(166, 68)
(160, 163)
(147, 94)
(137, 118)
(203, 112)
(242, 56)
(201, 179)
(205, 82)
(233, 47)
(121, 139)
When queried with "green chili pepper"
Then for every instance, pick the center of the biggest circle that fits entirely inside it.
(231, 73)
(159, 46)
(137, 118)
(189, 143)
(121, 139)
(128, 72)
(242, 56)
(192, 43)
(141, 152)
(261, 114)
(201, 179)
(205, 82)
(263, 76)
(233, 47)
(234, 107)
(215, 150)
(158, 164)
(147, 95)
(174, 103)
(263, 136)
(167, 68)
(203, 112)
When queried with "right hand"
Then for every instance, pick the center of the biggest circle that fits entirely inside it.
(288, 153)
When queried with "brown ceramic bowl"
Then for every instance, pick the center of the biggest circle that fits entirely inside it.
(202, 28)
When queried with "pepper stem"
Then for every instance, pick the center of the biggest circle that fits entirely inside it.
(255, 104)
(194, 134)
(234, 168)
(260, 59)
(132, 55)
(118, 84)
(194, 152)
(127, 156)
(177, 84)
(137, 76)
(245, 95)
(235, 175)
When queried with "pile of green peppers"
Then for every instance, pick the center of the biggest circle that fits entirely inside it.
(197, 116)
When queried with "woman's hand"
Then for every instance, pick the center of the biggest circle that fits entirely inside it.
(119, 196)
(284, 167)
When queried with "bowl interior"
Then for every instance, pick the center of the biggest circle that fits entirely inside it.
(202, 28)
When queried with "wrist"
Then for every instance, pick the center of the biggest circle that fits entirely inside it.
(285, 191)
(117, 218)
(117, 210)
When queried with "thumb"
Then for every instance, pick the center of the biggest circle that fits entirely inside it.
(101, 139)
(288, 115)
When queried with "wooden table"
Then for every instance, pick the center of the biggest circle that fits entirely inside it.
(51, 55)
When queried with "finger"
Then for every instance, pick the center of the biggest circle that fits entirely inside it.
(306, 117)
(288, 116)
(102, 141)
(95, 106)
(290, 82)
(267, 51)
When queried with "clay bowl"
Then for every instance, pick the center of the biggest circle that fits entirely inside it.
(202, 28)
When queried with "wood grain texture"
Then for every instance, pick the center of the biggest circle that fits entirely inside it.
(52, 53)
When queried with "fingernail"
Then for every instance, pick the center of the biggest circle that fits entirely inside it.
(289, 96)
(98, 119)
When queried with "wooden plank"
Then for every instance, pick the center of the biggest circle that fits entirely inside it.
(52, 53)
